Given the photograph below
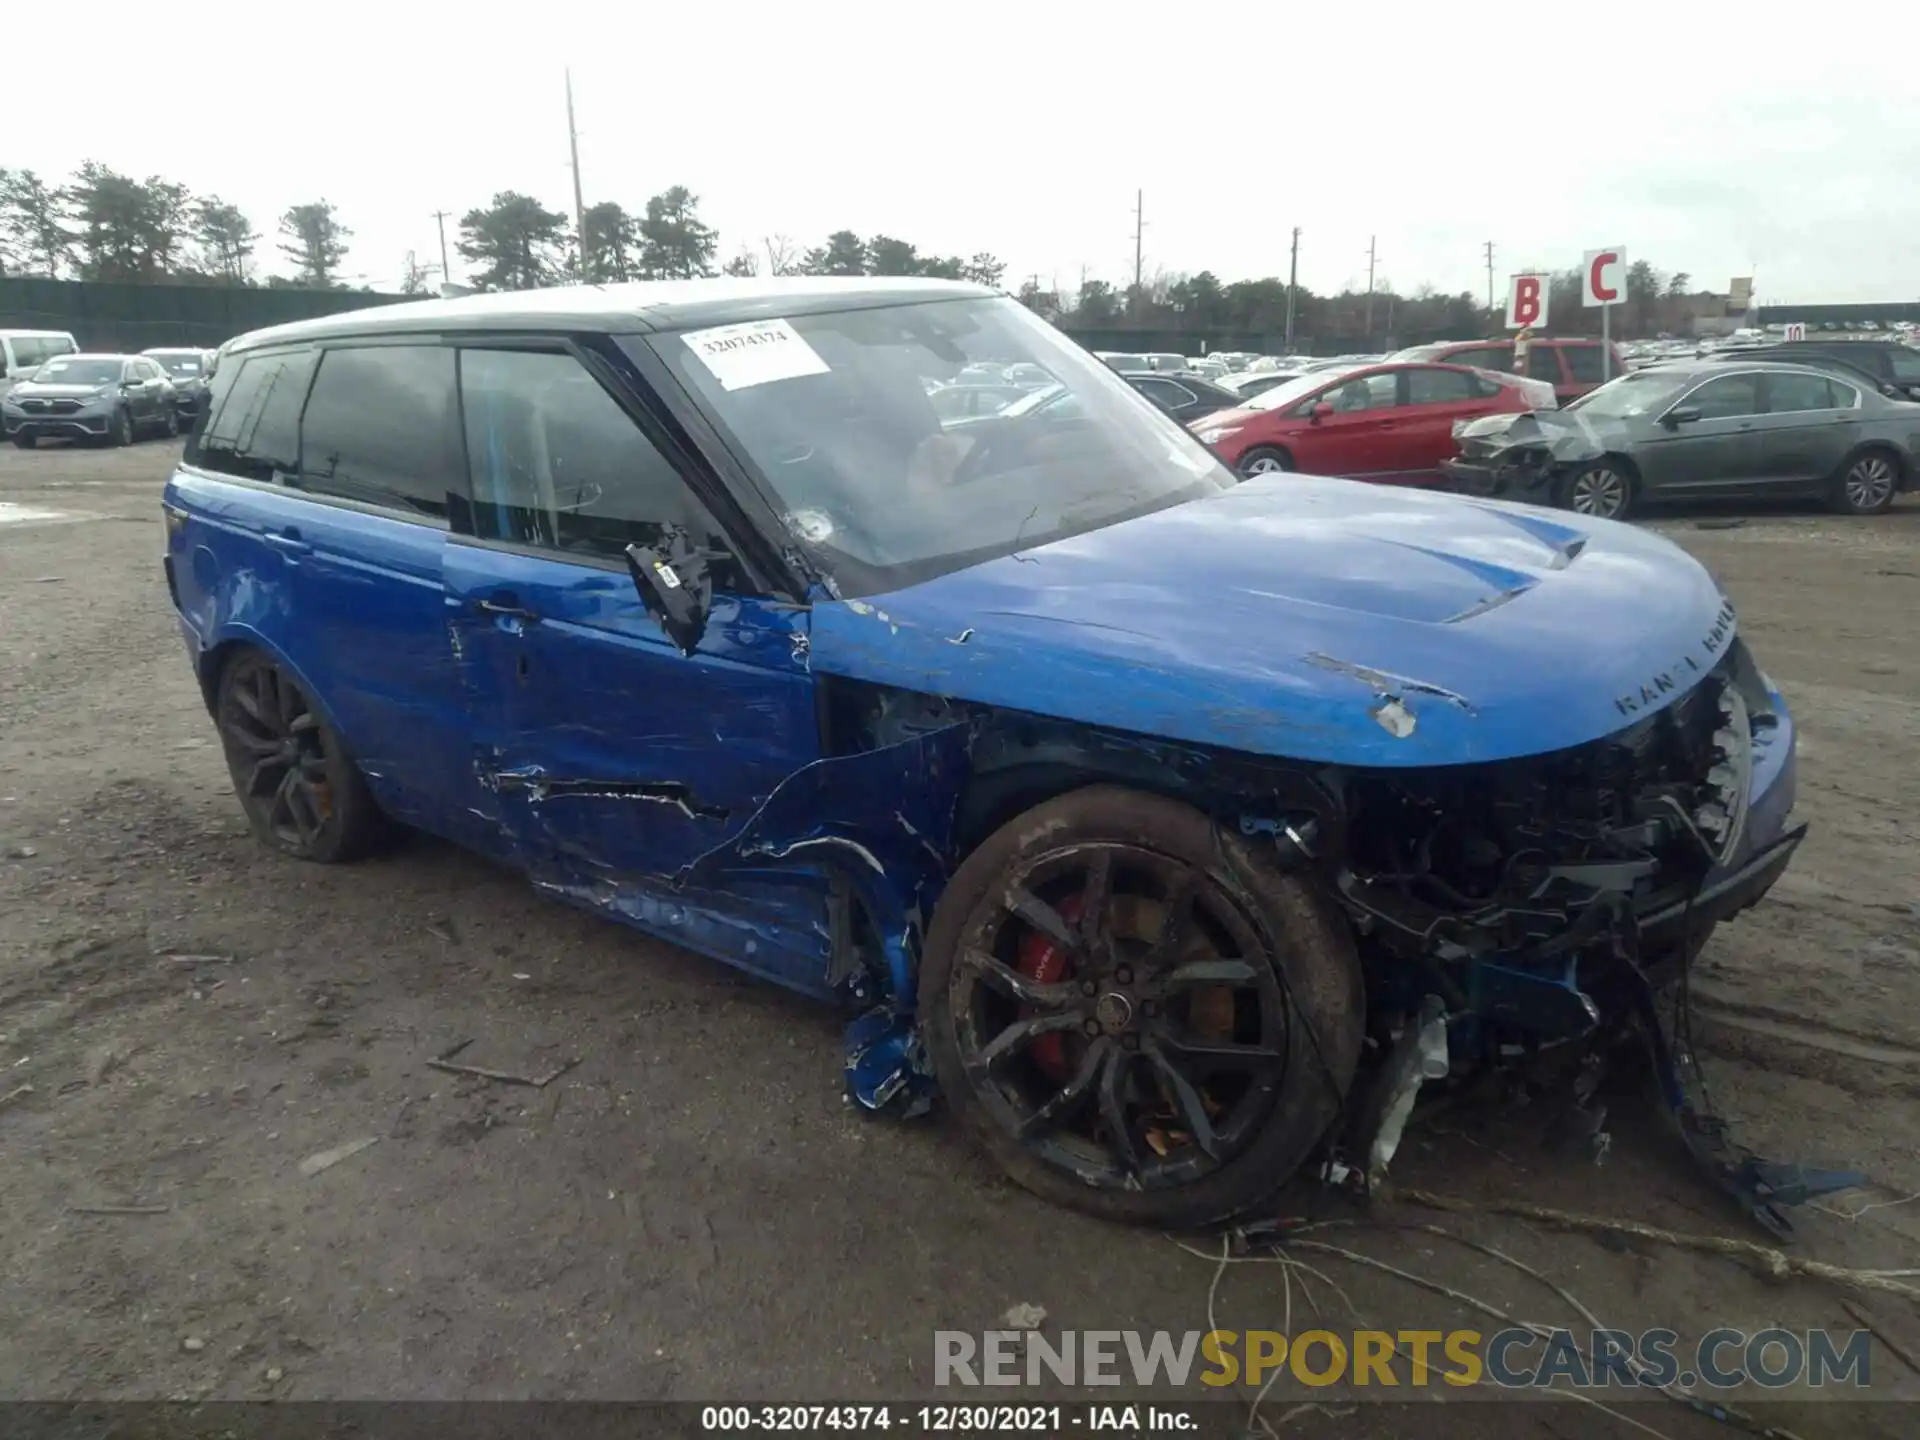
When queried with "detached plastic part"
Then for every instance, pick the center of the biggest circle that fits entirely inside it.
(886, 1069)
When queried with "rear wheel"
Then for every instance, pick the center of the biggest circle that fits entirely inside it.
(1866, 485)
(301, 792)
(1603, 490)
(1265, 460)
(1132, 1015)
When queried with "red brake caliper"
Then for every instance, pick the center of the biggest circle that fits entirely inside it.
(1044, 960)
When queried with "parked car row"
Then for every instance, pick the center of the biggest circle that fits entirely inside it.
(52, 390)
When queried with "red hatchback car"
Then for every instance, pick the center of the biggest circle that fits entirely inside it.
(1391, 423)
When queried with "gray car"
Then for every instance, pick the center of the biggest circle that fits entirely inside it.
(109, 398)
(1706, 429)
(188, 369)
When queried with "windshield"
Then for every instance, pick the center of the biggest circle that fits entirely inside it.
(1288, 392)
(1631, 396)
(67, 371)
(178, 364)
(833, 413)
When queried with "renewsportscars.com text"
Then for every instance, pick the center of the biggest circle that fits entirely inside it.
(1511, 1359)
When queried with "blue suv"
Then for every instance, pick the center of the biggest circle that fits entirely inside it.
(1126, 806)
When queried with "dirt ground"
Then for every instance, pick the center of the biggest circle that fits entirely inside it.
(692, 1212)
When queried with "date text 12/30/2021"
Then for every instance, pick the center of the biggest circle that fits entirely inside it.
(948, 1419)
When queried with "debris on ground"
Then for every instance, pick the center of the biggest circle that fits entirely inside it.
(20, 1093)
(193, 1344)
(504, 1077)
(118, 1209)
(327, 1159)
(1024, 1317)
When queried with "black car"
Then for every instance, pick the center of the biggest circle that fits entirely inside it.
(1181, 393)
(188, 369)
(1891, 363)
(1696, 431)
(109, 398)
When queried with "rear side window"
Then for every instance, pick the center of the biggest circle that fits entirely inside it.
(28, 353)
(1787, 393)
(1543, 363)
(252, 430)
(555, 462)
(380, 428)
(1439, 387)
(1490, 357)
(1585, 363)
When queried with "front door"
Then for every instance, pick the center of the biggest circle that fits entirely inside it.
(1359, 439)
(615, 760)
(1436, 399)
(1717, 450)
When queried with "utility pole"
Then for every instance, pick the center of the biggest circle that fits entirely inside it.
(1489, 277)
(1139, 229)
(1372, 256)
(1293, 285)
(579, 206)
(440, 219)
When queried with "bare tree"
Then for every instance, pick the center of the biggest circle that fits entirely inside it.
(783, 256)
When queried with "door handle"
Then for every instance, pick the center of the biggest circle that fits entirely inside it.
(506, 605)
(288, 542)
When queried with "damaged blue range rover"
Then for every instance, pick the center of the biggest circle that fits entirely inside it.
(1173, 829)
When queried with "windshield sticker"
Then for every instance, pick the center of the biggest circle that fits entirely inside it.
(741, 356)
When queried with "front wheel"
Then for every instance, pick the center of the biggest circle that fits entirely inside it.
(1133, 1015)
(1867, 485)
(172, 423)
(301, 791)
(1602, 490)
(1265, 460)
(122, 432)
(24, 440)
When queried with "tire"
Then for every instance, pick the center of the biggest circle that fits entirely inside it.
(122, 432)
(1605, 490)
(1265, 460)
(1866, 483)
(25, 441)
(1266, 1103)
(173, 423)
(301, 792)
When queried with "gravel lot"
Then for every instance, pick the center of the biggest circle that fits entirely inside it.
(692, 1213)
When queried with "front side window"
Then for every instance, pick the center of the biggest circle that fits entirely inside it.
(832, 412)
(1364, 392)
(1905, 363)
(1727, 398)
(379, 428)
(253, 431)
(555, 462)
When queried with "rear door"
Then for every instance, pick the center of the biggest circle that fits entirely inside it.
(616, 759)
(1719, 451)
(1808, 424)
(1436, 398)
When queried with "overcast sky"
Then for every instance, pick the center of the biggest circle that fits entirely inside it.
(1715, 140)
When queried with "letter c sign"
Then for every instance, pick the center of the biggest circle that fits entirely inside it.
(1604, 276)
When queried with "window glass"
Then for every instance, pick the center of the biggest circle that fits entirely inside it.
(1585, 363)
(1363, 392)
(1543, 363)
(1727, 397)
(379, 428)
(1787, 393)
(554, 461)
(1439, 387)
(253, 430)
(1165, 393)
(1905, 361)
(1490, 357)
(28, 353)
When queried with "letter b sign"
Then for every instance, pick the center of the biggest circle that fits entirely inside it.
(1527, 302)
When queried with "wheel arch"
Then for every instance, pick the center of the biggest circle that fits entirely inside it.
(236, 641)
(1903, 472)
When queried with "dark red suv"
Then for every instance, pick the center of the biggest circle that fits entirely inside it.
(1572, 367)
